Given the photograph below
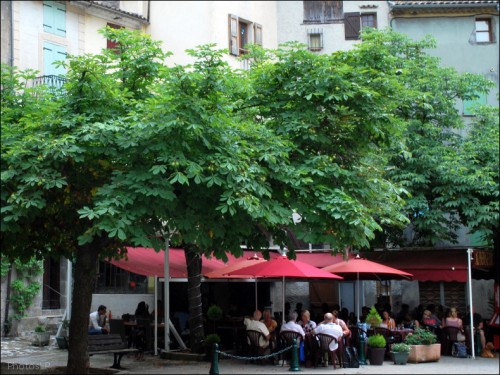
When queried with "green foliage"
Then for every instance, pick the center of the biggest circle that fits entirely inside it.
(214, 313)
(421, 337)
(24, 288)
(211, 339)
(377, 341)
(373, 317)
(5, 265)
(400, 347)
(40, 328)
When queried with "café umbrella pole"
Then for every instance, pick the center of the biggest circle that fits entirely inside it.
(166, 296)
(471, 311)
(156, 314)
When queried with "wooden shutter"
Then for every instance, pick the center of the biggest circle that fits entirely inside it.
(233, 35)
(111, 44)
(52, 53)
(313, 11)
(257, 29)
(352, 23)
(54, 18)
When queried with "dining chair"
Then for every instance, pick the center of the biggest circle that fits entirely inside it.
(324, 347)
(448, 338)
(286, 339)
(254, 342)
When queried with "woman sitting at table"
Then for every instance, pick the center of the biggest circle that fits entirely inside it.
(387, 321)
(137, 336)
(409, 323)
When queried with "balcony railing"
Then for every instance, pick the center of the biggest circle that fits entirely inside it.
(50, 80)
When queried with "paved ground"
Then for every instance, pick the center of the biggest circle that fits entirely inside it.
(18, 354)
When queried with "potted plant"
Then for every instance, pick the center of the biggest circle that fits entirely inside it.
(210, 340)
(373, 319)
(400, 352)
(376, 349)
(423, 346)
(62, 340)
(42, 337)
(214, 314)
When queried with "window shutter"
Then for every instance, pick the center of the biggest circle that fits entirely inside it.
(48, 17)
(233, 35)
(60, 19)
(54, 18)
(352, 25)
(52, 53)
(257, 29)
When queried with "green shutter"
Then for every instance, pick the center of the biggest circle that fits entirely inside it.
(52, 53)
(54, 18)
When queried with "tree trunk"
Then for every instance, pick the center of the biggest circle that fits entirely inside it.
(84, 280)
(197, 334)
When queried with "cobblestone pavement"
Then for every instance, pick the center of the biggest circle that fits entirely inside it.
(19, 353)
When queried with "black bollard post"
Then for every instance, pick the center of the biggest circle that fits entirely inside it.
(214, 367)
(362, 358)
(294, 363)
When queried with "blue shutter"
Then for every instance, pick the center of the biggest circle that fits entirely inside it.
(54, 18)
(52, 53)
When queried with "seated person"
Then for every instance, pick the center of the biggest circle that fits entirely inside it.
(409, 323)
(254, 324)
(271, 325)
(430, 321)
(346, 332)
(329, 326)
(291, 325)
(137, 336)
(97, 321)
(387, 321)
(477, 321)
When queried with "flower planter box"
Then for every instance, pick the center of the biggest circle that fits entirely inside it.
(424, 353)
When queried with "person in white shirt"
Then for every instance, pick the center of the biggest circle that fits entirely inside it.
(291, 325)
(97, 320)
(330, 328)
(254, 324)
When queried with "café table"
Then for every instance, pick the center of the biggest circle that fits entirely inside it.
(401, 332)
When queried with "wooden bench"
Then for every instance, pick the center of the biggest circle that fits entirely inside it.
(105, 344)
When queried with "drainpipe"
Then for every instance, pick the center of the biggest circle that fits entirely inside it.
(11, 47)
(7, 303)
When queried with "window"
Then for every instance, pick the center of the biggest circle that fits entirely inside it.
(469, 105)
(241, 33)
(355, 21)
(315, 39)
(111, 44)
(51, 53)
(54, 18)
(369, 20)
(483, 30)
(323, 11)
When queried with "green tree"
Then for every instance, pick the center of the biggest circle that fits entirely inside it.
(450, 172)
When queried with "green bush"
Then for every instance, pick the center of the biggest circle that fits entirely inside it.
(211, 339)
(377, 341)
(40, 329)
(400, 347)
(421, 337)
(373, 318)
(214, 313)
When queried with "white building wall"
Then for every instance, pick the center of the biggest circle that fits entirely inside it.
(291, 25)
(182, 25)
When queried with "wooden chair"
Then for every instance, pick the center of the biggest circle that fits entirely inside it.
(354, 340)
(448, 338)
(254, 342)
(286, 339)
(117, 326)
(324, 347)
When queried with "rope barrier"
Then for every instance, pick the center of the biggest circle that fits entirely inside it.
(294, 363)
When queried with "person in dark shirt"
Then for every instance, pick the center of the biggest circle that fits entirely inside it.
(477, 320)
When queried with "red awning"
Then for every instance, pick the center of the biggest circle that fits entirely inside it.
(428, 265)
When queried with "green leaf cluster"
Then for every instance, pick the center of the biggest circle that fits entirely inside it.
(421, 336)
(377, 341)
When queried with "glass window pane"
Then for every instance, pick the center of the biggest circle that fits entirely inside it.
(482, 25)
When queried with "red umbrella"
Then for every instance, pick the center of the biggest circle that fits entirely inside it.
(284, 267)
(363, 269)
(222, 273)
